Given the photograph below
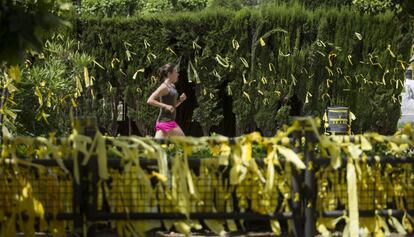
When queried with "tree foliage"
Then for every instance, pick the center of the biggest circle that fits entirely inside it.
(23, 25)
(402, 7)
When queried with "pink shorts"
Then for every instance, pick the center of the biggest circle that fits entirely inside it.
(165, 126)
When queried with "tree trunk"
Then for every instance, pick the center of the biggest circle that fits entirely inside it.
(206, 130)
(240, 128)
(246, 127)
(113, 126)
(251, 126)
(129, 126)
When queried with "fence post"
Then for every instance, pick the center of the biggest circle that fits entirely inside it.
(296, 193)
(81, 199)
(310, 185)
(76, 203)
(92, 194)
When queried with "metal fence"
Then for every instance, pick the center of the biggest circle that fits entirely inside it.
(313, 193)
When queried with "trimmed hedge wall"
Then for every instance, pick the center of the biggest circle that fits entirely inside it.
(253, 69)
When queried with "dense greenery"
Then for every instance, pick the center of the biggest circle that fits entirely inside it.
(242, 70)
(402, 7)
(131, 7)
(52, 87)
(23, 25)
(263, 65)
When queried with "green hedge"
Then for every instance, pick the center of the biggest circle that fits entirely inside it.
(262, 65)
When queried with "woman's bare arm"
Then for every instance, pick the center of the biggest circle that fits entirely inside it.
(160, 91)
(182, 98)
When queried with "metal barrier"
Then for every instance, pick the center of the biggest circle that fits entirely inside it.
(370, 200)
(329, 202)
(310, 192)
(212, 200)
(52, 187)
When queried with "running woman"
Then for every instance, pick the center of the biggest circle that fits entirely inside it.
(168, 101)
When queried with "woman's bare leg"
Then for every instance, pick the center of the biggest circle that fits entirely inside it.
(159, 134)
(175, 132)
